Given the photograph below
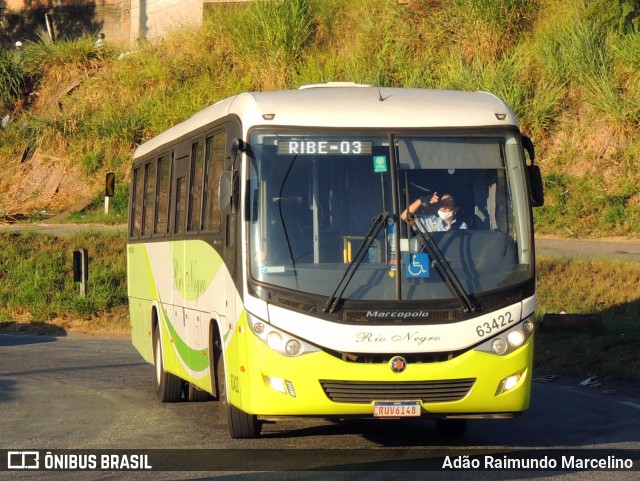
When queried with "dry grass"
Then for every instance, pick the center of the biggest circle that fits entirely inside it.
(114, 321)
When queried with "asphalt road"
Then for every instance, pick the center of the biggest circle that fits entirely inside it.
(610, 249)
(95, 392)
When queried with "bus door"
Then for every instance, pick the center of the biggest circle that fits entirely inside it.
(179, 187)
(230, 230)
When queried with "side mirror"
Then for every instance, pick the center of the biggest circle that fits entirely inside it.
(229, 185)
(237, 145)
(228, 192)
(535, 183)
(528, 146)
(533, 172)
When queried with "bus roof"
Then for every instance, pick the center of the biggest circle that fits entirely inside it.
(346, 105)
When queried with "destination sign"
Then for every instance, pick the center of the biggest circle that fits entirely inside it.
(324, 147)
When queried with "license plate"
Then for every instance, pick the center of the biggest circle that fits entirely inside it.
(396, 409)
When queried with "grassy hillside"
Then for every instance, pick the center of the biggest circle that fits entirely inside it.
(568, 68)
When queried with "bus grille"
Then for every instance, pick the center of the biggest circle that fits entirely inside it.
(427, 391)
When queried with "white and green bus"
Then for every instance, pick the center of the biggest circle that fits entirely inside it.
(269, 267)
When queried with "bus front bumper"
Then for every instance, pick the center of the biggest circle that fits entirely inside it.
(473, 384)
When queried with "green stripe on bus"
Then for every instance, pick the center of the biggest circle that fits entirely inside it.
(196, 359)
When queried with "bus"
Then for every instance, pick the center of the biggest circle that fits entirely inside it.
(270, 268)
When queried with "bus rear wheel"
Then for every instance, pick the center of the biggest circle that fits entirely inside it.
(168, 386)
(195, 394)
(240, 425)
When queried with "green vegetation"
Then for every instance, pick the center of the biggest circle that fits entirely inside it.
(37, 288)
(10, 78)
(94, 212)
(569, 69)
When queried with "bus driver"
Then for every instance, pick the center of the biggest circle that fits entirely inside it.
(443, 220)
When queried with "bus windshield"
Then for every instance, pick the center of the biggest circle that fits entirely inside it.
(314, 197)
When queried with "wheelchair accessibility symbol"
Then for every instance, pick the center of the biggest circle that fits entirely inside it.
(417, 265)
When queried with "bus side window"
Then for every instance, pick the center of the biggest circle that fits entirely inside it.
(195, 186)
(214, 164)
(180, 209)
(180, 173)
(162, 197)
(136, 203)
(148, 205)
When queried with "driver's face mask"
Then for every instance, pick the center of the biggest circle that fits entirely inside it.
(445, 214)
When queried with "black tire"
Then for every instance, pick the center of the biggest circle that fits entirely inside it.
(451, 428)
(239, 424)
(168, 386)
(195, 394)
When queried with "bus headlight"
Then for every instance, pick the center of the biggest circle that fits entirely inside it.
(278, 340)
(509, 340)
(280, 385)
(515, 338)
(293, 347)
(499, 345)
(509, 383)
(274, 340)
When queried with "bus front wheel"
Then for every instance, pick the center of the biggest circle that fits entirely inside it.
(240, 425)
(168, 386)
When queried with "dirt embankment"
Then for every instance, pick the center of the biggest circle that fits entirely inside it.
(42, 185)
(39, 183)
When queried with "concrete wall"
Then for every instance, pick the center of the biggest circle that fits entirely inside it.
(153, 18)
(27, 20)
(122, 21)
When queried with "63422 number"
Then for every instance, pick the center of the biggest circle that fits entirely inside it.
(486, 328)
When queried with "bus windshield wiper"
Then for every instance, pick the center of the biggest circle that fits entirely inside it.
(376, 223)
(444, 269)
